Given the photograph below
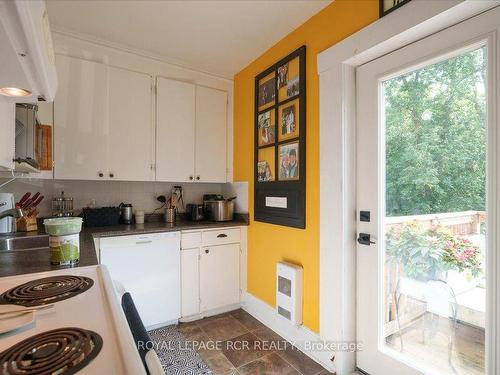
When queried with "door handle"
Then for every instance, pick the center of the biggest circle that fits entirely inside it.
(365, 239)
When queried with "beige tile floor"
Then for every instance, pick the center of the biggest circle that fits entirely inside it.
(248, 347)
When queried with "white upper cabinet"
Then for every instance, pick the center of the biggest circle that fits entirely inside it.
(175, 130)
(211, 130)
(191, 132)
(131, 131)
(80, 119)
(103, 127)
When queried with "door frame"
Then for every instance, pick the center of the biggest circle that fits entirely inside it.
(447, 44)
(336, 68)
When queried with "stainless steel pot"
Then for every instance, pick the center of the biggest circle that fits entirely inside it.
(219, 210)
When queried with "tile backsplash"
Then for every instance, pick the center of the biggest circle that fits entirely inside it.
(142, 195)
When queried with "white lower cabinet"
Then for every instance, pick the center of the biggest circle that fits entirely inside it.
(190, 282)
(210, 271)
(219, 276)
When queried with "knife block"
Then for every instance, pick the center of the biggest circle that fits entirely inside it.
(26, 224)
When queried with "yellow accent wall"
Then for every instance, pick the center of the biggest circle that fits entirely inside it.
(267, 243)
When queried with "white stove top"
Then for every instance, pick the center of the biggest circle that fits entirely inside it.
(96, 309)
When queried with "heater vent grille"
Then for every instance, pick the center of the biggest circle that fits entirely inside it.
(287, 314)
(289, 292)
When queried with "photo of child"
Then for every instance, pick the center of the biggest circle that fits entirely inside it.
(288, 120)
(289, 161)
(266, 130)
(264, 173)
(282, 76)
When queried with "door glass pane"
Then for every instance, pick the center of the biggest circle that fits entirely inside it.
(434, 298)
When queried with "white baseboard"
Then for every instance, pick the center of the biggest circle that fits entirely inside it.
(299, 336)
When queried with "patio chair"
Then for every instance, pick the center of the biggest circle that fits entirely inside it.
(438, 293)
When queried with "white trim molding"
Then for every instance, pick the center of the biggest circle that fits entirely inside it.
(336, 68)
(301, 337)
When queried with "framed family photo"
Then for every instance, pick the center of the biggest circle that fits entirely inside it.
(282, 76)
(289, 161)
(289, 120)
(267, 92)
(264, 172)
(280, 142)
(266, 165)
(267, 133)
(289, 79)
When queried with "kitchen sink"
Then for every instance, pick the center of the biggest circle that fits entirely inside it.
(23, 242)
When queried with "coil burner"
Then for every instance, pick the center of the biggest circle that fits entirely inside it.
(60, 351)
(47, 290)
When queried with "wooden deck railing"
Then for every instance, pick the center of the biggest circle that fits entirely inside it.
(460, 223)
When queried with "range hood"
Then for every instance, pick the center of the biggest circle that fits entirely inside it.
(28, 64)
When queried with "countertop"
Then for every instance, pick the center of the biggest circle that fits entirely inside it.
(38, 260)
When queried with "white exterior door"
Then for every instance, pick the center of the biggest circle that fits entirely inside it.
(131, 132)
(426, 130)
(175, 130)
(80, 119)
(211, 127)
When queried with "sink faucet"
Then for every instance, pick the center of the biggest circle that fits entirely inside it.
(14, 212)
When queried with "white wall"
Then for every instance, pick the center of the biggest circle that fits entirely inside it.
(7, 129)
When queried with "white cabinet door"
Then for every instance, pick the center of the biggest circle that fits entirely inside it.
(190, 282)
(80, 119)
(175, 134)
(211, 127)
(219, 276)
(131, 132)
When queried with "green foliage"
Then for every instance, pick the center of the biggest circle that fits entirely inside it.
(416, 250)
(436, 137)
(428, 253)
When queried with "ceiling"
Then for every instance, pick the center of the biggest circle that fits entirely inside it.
(216, 36)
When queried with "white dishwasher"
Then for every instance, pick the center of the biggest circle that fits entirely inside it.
(148, 266)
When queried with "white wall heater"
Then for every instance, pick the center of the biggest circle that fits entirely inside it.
(289, 292)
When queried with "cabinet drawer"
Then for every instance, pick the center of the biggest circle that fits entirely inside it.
(220, 236)
(190, 240)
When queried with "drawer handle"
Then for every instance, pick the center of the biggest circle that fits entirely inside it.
(222, 235)
(142, 242)
(207, 251)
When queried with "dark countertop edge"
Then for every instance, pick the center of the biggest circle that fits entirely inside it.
(38, 260)
(158, 227)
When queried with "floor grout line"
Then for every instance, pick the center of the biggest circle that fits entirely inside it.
(295, 368)
(278, 352)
